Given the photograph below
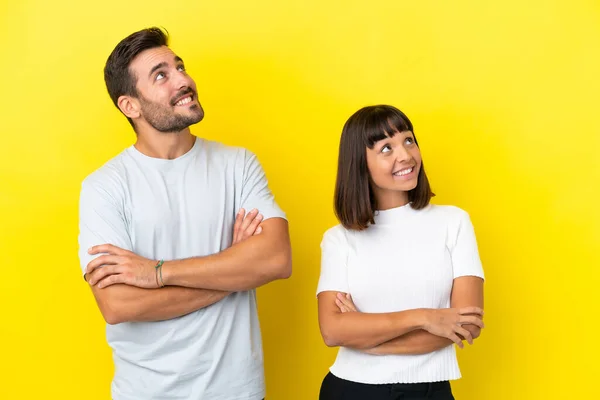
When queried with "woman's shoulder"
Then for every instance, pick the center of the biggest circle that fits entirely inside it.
(337, 235)
(446, 213)
(336, 231)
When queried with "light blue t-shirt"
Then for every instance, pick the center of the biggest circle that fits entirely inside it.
(175, 209)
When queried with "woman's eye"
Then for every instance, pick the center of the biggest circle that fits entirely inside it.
(409, 140)
(385, 149)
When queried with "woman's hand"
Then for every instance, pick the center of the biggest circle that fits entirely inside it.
(447, 322)
(345, 303)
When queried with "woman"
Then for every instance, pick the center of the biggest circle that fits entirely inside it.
(401, 280)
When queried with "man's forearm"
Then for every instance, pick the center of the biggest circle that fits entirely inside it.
(249, 264)
(127, 303)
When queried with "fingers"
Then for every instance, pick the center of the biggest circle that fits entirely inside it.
(454, 337)
(341, 300)
(246, 225)
(100, 261)
(349, 303)
(239, 218)
(346, 301)
(469, 319)
(248, 219)
(341, 306)
(111, 280)
(465, 334)
(107, 248)
(253, 226)
(471, 310)
(101, 273)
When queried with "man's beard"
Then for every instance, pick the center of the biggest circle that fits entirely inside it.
(165, 119)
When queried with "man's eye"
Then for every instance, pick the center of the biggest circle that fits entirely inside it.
(159, 76)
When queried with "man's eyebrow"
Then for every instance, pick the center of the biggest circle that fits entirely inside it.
(157, 66)
(178, 59)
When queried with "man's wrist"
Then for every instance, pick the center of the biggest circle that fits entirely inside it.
(158, 271)
(166, 276)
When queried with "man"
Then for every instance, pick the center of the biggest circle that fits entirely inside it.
(171, 275)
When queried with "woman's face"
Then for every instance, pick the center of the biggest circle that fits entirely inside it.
(394, 164)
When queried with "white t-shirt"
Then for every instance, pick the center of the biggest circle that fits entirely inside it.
(175, 209)
(406, 260)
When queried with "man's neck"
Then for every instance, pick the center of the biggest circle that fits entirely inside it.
(167, 146)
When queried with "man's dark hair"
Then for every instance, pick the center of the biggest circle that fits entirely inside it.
(117, 75)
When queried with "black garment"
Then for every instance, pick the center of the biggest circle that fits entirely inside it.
(334, 388)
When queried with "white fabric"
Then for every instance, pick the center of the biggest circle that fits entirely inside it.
(175, 209)
(406, 260)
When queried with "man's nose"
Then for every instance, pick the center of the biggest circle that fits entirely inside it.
(183, 80)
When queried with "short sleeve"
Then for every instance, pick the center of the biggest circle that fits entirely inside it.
(464, 251)
(101, 220)
(334, 257)
(255, 189)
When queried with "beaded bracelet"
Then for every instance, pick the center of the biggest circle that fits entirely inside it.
(158, 269)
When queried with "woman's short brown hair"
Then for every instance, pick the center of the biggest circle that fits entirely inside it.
(355, 203)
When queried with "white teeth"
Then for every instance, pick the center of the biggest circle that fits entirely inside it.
(183, 101)
(404, 172)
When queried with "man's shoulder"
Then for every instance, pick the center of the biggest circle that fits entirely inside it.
(229, 156)
(219, 149)
(110, 175)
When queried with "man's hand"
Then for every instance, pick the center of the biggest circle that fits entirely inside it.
(120, 266)
(246, 225)
(123, 266)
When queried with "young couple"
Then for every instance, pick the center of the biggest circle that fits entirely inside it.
(177, 232)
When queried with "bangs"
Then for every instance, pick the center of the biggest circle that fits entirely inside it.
(384, 122)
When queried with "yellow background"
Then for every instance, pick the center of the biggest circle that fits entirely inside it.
(504, 99)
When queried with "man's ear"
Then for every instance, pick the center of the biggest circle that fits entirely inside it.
(130, 106)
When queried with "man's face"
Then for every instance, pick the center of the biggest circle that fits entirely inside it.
(166, 93)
